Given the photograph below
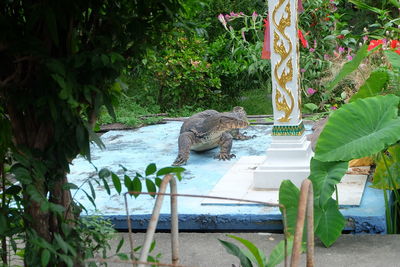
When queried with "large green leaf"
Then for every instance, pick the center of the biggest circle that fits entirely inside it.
(289, 197)
(258, 255)
(381, 176)
(358, 129)
(373, 86)
(393, 58)
(236, 251)
(278, 253)
(349, 67)
(324, 176)
(331, 223)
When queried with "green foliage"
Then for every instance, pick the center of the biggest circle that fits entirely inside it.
(349, 67)
(257, 101)
(289, 197)
(253, 255)
(373, 86)
(361, 128)
(52, 87)
(324, 177)
(388, 165)
(179, 72)
(129, 112)
(330, 222)
(244, 40)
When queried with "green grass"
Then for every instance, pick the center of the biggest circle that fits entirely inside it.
(129, 112)
(256, 102)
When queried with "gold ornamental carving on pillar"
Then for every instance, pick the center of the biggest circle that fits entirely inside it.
(284, 99)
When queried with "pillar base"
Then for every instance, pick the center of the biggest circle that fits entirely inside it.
(288, 158)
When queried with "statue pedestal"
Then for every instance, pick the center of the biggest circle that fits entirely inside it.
(288, 158)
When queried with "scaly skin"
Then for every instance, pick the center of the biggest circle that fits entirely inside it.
(209, 129)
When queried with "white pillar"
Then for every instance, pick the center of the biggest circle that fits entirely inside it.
(289, 155)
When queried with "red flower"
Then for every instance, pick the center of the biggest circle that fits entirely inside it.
(302, 39)
(397, 51)
(340, 36)
(374, 43)
(394, 43)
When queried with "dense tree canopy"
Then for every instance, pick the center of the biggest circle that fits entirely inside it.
(59, 64)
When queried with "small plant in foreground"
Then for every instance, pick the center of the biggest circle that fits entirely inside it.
(253, 255)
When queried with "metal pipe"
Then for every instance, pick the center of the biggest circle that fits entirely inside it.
(305, 202)
(174, 222)
(154, 220)
(310, 227)
(129, 229)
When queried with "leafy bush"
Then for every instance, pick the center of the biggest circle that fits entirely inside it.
(178, 72)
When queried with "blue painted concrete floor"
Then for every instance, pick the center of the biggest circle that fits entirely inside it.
(135, 149)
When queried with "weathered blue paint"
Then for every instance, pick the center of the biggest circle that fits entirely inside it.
(135, 149)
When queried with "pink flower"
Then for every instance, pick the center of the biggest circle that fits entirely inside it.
(254, 16)
(227, 17)
(302, 70)
(334, 107)
(312, 50)
(311, 91)
(365, 38)
(221, 18)
(315, 43)
(326, 57)
(341, 49)
(349, 57)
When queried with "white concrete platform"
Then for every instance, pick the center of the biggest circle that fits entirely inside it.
(238, 183)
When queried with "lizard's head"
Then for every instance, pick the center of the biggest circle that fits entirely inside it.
(231, 121)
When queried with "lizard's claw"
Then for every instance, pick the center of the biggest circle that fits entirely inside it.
(180, 160)
(225, 156)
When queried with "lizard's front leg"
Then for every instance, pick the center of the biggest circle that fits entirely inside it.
(239, 136)
(225, 144)
(185, 141)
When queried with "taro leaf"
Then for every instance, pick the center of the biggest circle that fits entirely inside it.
(373, 86)
(256, 254)
(237, 252)
(278, 253)
(289, 197)
(330, 224)
(359, 129)
(151, 168)
(116, 182)
(349, 67)
(393, 58)
(381, 176)
(324, 176)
